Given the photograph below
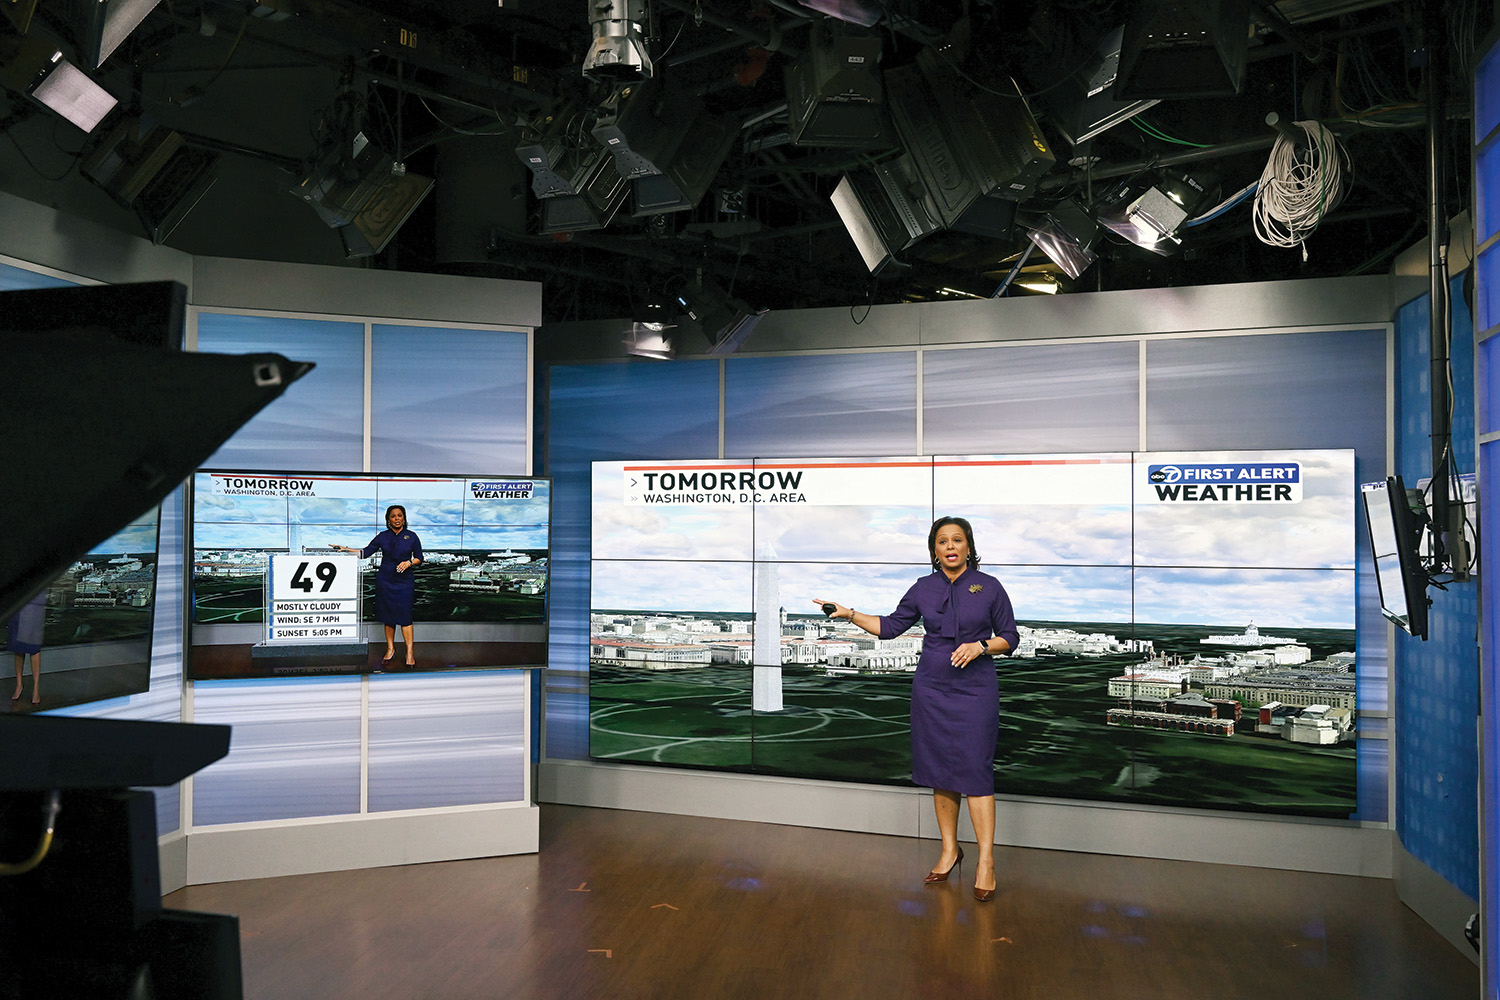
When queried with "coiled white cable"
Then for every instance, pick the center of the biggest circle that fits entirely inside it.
(1301, 184)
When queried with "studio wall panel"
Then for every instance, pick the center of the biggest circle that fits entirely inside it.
(829, 404)
(1023, 399)
(450, 744)
(294, 751)
(319, 425)
(1292, 390)
(1437, 688)
(448, 400)
(599, 412)
(14, 278)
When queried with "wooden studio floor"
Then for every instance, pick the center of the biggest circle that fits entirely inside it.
(627, 904)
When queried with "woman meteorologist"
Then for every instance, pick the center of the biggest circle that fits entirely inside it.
(400, 552)
(955, 696)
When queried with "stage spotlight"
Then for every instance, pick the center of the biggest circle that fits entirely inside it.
(686, 176)
(654, 312)
(552, 159)
(1086, 104)
(1149, 210)
(1043, 283)
(725, 321)
(1184, 48)
(643, 125)
(969, 156)
(964, 142)
(39, 71)
(600, 194)
(363, 194)
(1066, 235)
(833, 92)
(664, 143)
(558, 170)
(647, 340)
(150, 169)
(618, 52)
(878, 210)
(99, 26)
(865, 14)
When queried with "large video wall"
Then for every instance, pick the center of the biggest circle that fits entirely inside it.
(1188, 619)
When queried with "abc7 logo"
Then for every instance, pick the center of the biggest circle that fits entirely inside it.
(1166, 474)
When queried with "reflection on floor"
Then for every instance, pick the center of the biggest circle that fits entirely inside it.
(624, 904)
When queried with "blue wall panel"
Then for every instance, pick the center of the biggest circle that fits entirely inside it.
(14, 278)
(294, 751)
(1295, 390)
(833, 404)
(1030, 399)
(448, 400)
(1437, 681)
(318, 425)
(601, 413)
(455, 743)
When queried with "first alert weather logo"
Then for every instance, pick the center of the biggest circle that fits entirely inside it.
(507, 490)
(1226, 482)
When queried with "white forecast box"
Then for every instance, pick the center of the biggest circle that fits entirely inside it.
(312, 598)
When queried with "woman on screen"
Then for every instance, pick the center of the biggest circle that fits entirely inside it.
(395, 585)
(955, 697)
(23, 636)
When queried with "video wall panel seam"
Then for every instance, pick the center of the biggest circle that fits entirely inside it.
(369, 396)
(364, 744)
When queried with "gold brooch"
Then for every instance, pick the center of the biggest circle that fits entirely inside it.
(975, 588)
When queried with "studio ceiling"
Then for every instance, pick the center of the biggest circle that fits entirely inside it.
(452, 87)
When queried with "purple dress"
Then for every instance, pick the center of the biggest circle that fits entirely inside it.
(24, 630)
(955, 713)
(394, 590)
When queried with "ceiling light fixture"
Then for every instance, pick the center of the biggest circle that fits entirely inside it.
(618, 51)
(724, 320)
(1174, 49)
(41, 73)
(153, 171)
(101, 25)
(969, 156)
(1044, 283)
(1150, 210)
(1066, 234)
(644, 340)
(833, 92)
(363, 193)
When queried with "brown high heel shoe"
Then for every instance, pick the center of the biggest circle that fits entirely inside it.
(985, 895)
(937, 877)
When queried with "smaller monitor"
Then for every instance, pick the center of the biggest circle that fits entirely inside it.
(1395, 544)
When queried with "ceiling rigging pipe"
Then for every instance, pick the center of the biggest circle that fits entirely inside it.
(768, 38)
(1435, 40)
